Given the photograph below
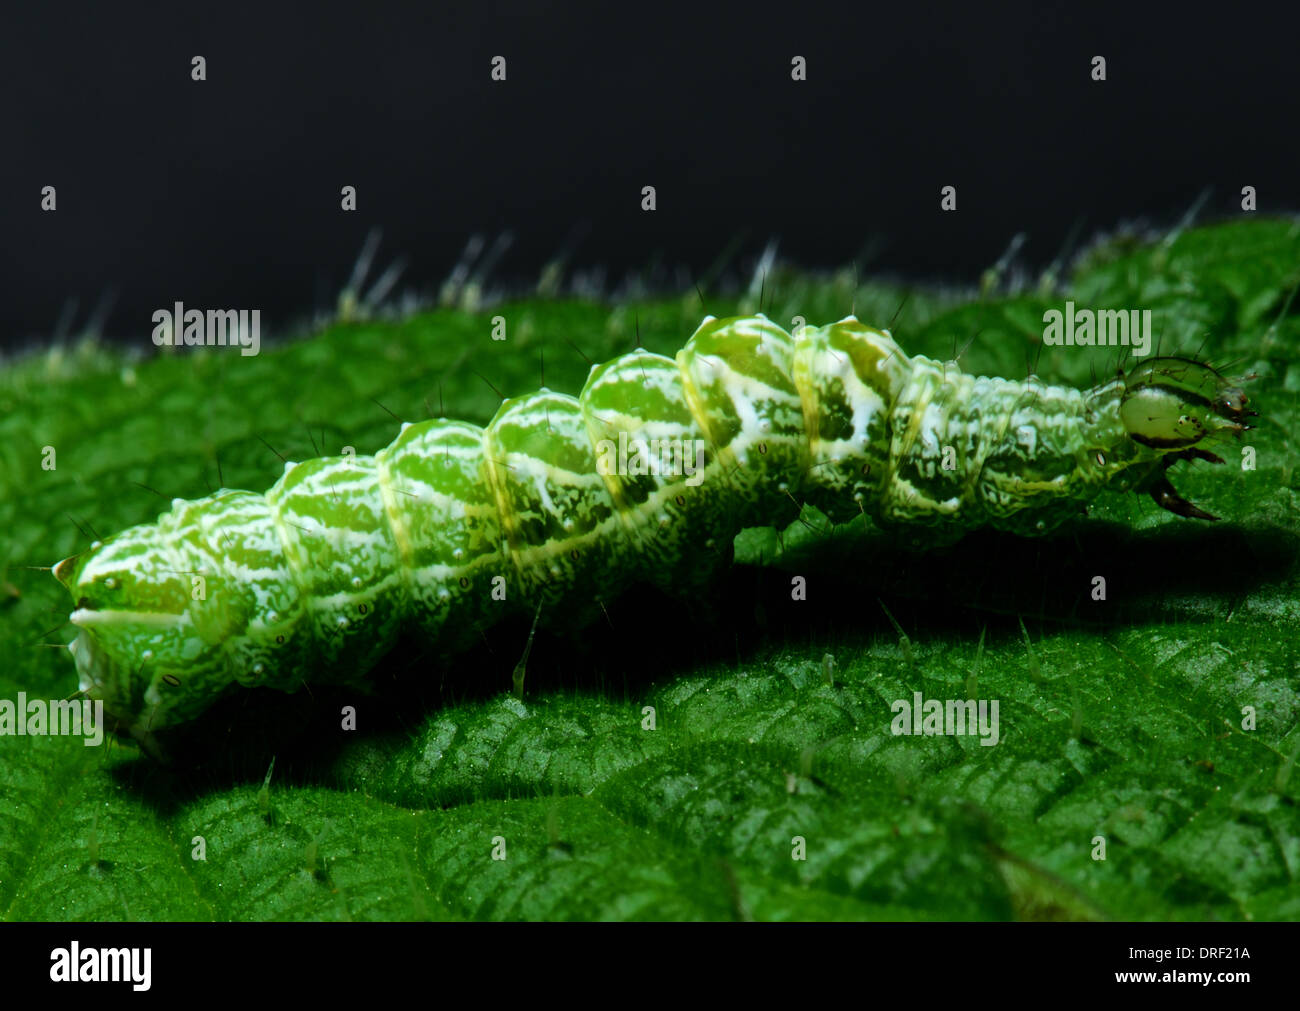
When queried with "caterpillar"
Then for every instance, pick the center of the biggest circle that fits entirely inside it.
(561, 502)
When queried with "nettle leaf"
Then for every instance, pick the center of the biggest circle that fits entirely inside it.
(730, 756)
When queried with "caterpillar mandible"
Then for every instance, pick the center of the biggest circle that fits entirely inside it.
(562, 501)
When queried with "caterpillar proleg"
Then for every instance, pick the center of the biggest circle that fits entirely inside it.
(561, 501)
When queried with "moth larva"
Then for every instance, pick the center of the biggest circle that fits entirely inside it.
(561, 501)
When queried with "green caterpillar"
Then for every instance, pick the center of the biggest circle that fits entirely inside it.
(561, 501)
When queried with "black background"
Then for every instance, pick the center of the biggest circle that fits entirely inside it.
(225, 193)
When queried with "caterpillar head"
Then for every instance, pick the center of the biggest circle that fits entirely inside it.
(1175, 406)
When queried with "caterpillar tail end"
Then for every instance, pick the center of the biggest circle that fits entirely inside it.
(97, 672)
(131, 643)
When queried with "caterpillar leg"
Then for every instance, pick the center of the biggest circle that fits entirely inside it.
(1166, 497)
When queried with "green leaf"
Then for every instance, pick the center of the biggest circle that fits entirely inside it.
(724, 757)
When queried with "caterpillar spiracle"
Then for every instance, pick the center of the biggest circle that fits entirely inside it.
(547, 512)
